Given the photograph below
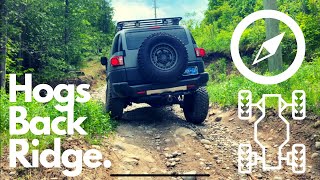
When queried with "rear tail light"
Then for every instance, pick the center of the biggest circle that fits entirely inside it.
(142, 92)
(200, 52)
(117, 61)
(155, 27)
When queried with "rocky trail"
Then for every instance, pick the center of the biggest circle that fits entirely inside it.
(159, 141)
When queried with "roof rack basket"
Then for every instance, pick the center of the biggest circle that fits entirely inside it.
(148, 23)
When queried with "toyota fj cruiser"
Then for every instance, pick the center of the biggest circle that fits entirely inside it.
(156, 61)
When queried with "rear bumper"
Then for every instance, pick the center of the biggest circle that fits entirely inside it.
(124, 90)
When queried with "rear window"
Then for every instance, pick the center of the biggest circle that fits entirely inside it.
(135, 39)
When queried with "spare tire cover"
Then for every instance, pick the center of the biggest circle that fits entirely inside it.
(162, 58)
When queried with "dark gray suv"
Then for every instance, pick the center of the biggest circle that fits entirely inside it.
(156, 61)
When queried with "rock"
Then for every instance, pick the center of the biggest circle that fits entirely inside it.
(211, 113)
(184, 132)
(168, 155)
(120, 146)
(219, 161)
(175, 154)
(190, 177)
(171, 164)
(216, 157)
(259, 176)
(134, 157)
(318, 145)
(12, 173)
(198, 154)
(158, 137)
(184, 152)
(252, 120)
(96, 147)
(218, 119)
(149, 132)
(167, 140)
(207, 147)
(153, 170)
(231, 119)
(277, 178)
(317, 124)
(131, 161)
(168, 164)
(315, 156)
(177, 159)
(166, 149)
(205, 141)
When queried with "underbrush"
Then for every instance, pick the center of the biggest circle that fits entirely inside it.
(225, 91)
(97, 124)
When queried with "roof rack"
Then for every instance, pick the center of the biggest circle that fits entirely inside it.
(148, 23)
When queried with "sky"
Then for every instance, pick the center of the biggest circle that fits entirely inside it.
(143, 9)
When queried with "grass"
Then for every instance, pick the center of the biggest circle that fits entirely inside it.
(224, 91)
(97, 124)
(96, 72)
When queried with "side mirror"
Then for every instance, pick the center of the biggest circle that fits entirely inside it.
(104, 61)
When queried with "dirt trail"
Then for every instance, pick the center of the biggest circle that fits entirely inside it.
(153, 141)
(160, 141)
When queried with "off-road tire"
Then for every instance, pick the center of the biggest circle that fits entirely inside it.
(175, 50)
(114, 106)
(196, 106)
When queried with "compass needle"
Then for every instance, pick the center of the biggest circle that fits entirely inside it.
(272, 45)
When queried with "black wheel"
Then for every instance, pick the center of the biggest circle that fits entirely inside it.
(114, 106)
(196, 106)
(162, 58)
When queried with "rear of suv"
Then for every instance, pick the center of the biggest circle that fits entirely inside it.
(156, 61)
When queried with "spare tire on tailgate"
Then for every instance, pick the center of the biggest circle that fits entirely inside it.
(162, 58)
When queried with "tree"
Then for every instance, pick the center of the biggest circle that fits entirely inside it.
(50, 38)
(275, 62)
(3, 43)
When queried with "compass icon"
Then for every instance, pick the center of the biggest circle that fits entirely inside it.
(271, 46)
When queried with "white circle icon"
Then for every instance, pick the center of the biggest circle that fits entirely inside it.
(268, 14)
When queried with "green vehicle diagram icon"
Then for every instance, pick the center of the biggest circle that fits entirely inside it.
(271, 46)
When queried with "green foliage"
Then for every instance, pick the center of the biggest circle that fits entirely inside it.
(215, 31)
(97, 124)
(307, 79)
(218, 70)
(49, 37)
(214, 34)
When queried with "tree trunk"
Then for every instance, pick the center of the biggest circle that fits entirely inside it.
(3, 44)
(275, 62)
(66, 30)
